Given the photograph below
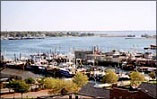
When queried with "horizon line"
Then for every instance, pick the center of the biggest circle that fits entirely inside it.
(73, 30)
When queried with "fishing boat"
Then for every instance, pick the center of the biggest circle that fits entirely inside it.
(153, 46)
(65, 73)
(146, 69)
(17, 64)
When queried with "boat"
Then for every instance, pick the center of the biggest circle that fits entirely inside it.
(153, 46)
(146, 69)
(65, 73)
(17, 64)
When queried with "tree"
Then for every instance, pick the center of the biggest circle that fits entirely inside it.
(71, 87)
(49, 82)
(152, 75)
(80, 79)
(19, 86)
(110, 77)
(22, 87)
(30, 81)
(56, 85)
(136, 79)
(59, 86)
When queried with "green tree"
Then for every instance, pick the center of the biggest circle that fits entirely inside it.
(71, 87)
(19, 86)
(49, 83)
(80, 79)
(30, 81)
(136, 78)
(110, 77)
(59, 86)
(152, 75)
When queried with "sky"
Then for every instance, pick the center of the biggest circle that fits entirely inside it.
(78, 15)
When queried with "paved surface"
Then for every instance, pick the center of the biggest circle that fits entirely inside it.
(29, 94)
(5, 90)
(40, 93)
(7, 72)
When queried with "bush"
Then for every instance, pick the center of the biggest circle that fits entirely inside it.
(59, 86)
(110, 77)
(30, 81)
(71, 87)
(19, 86)
(152, 75)
(50, 83)
(136, 78)
(80, 79)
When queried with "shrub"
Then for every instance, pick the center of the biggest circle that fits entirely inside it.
(80, 79)
(136, 78)
(152, 75)
(110, 77)
(30, 81)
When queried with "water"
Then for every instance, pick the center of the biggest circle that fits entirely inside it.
(66, 44)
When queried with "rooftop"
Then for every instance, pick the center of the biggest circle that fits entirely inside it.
(149, 89)
(90, 90)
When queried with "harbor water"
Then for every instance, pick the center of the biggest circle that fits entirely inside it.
(69, 44)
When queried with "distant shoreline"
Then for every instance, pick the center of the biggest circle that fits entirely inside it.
(127, 38)
(20, 35)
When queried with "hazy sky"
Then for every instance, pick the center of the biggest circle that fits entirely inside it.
(78, 15)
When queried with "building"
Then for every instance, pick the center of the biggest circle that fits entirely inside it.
(80, 56)
(145, 91)
(96, 93)
(90, 91)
